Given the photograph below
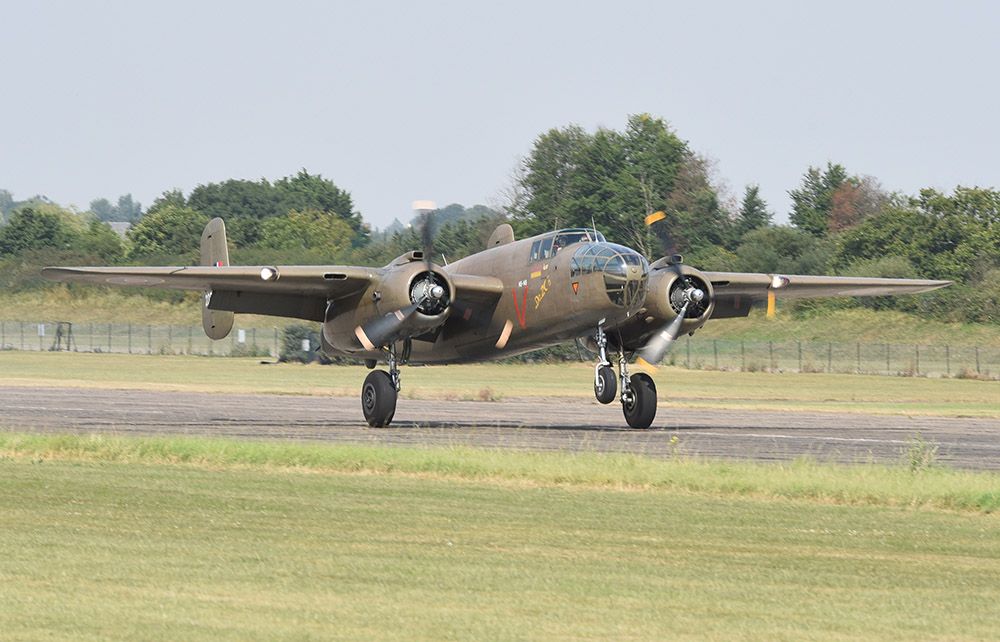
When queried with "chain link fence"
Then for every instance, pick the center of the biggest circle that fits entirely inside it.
(701, 354)
(130, 338)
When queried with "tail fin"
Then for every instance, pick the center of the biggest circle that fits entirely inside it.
(215, 252)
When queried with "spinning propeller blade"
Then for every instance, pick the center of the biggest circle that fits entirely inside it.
(660, 343)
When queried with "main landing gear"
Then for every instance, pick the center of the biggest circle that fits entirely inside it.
(638, 395)
(380, 391)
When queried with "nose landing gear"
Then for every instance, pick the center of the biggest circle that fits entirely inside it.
(605, 384)
(638, 393)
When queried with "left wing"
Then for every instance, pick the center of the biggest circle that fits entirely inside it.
(736, 292)
(795, 286)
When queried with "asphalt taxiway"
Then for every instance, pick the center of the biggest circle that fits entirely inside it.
(527, 424)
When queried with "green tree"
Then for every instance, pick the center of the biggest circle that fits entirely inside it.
(307, 230)
(783, 250)
(102, 209)
(813, 200)
(126, 209)
(172, 197)
(753, 212)
(34, 227)
(244, 204)
(169, 231)
(614, 180)
(100, 240)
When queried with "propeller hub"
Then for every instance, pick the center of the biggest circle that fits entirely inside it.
(695, 295)
(430, 292)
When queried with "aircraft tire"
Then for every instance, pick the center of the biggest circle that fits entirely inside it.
(641, 409)
(606, 385)
(378, 399)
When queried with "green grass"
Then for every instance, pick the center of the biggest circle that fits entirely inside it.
(256, 541)
(904, 485)
(679, 387)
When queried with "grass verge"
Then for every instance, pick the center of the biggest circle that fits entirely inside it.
(247, 541)
(904, 485)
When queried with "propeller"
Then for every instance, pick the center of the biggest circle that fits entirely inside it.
(428, 295)
(659, 344)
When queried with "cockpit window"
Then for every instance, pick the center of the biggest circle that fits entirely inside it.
(550, 245)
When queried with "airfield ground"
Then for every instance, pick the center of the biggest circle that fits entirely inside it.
(467, 535)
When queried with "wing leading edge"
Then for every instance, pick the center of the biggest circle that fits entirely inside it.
(796, 286)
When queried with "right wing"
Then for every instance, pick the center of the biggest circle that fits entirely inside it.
(295, 291)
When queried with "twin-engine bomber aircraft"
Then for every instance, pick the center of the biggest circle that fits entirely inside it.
(513, 297)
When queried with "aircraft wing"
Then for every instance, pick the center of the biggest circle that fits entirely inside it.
(794, 286)
(299, 292)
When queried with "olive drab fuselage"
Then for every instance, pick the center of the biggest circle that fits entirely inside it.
(556, 287)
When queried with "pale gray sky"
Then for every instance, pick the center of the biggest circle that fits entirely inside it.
(396, 101)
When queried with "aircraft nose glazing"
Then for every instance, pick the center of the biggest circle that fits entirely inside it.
(625, 271)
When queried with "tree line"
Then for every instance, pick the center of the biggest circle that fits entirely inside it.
(840, 223)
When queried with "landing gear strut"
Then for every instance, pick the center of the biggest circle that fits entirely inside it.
(638, 392)
(380, 391)
(605, 384)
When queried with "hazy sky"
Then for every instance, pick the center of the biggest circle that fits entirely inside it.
(400, 101)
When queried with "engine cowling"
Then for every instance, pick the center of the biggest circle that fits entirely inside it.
(410, 299)
(669, 289)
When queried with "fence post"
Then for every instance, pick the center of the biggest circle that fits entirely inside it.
(253, 338)
(800, 355)
(276, 353)
(149, 339)
(21, 324)
(829, 357)
(3, 335)
(743, 357)
(109, 337)
(770, 355)
(977, 360)
(130, 338)
(859, 356)
(888, 368)
(687, 361)
(947, 359)
(916, 351)
(715, 351)
(170, 338)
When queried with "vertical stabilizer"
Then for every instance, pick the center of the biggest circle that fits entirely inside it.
(215, 252)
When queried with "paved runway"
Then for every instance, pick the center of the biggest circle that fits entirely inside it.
(530, 424)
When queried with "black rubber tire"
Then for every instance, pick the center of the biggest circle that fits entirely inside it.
(641, 409)
(606, 384)
(378, 399)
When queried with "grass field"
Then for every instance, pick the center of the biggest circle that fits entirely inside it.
(190, 539)
(676, 386)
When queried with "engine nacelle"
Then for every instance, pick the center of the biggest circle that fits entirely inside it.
(667, 293)
(388, 305)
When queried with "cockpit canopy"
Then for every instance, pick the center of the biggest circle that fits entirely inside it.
(550, 244)
(625, 271)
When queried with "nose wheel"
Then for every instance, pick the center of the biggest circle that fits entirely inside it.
(605, 383)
